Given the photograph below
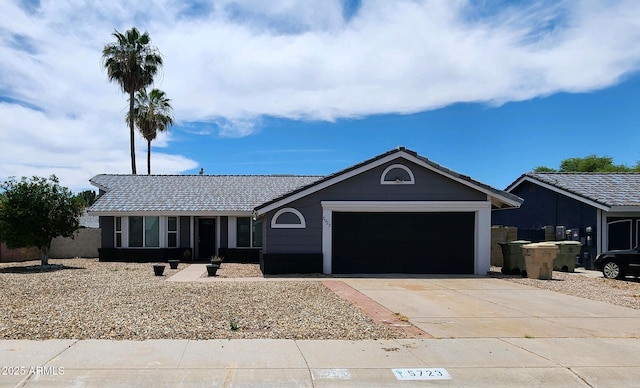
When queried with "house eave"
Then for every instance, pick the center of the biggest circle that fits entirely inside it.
(173, 213)
(625, 209)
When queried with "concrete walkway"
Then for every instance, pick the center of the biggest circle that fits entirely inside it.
(486, 332)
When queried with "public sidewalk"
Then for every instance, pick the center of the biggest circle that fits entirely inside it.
(484, 332)
(479, 362)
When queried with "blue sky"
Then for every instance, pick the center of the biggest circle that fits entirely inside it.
(490, 89)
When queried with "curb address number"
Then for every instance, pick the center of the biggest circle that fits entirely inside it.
(422, 374)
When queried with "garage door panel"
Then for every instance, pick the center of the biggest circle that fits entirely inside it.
(437, 243)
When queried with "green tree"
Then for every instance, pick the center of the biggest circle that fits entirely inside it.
(33, 212)
(544, 169)
(132, 62)
(590, 163)
(88, 197)
(152, 113)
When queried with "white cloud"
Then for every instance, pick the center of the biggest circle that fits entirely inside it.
(230, 63)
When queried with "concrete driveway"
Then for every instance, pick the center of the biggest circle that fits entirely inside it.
(506, 329)
(493, 308)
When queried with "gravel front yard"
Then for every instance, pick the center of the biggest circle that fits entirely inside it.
(89, 299)
(619, 292)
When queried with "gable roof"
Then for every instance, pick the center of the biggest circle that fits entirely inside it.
(499, 198)
(190, 194)
(605, 191)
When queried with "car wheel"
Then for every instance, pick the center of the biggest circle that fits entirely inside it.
(611, 270)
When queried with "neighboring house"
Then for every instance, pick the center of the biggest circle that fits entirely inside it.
(395, 213)
(601, 210)
(87, 221)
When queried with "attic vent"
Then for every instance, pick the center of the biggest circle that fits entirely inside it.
(397, 174)
(288, 218)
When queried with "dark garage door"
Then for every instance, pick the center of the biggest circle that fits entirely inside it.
(428, 243)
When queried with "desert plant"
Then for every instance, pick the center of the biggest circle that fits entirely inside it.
(234, 324)
(217, 259)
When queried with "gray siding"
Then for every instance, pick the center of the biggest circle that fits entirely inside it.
(185, 232)
(107, 225)
(224, 232)
(429, 186)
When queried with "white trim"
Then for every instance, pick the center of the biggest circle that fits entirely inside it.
(482, 232)
(601, 237)
(411, 180)
(275, 225)
(482, 243)
(410, 206)
(327, 236)
(374, 164)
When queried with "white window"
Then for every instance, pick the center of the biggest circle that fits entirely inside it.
(152, 232)
(144, 232)
(248, 233)
(136, 229)
(172, 232)
(118, 232)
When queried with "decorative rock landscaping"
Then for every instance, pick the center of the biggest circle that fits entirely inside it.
(89, 299)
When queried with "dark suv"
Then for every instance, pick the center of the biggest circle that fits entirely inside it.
(618, 264)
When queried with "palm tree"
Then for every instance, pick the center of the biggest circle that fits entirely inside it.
(132, 62)
(152, 113)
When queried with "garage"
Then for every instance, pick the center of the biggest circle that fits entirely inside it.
(403, 242)
(396, 213)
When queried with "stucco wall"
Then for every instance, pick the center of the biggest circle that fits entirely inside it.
(20, 254)
(84, 244)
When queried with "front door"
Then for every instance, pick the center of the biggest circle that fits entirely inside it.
(206, 238)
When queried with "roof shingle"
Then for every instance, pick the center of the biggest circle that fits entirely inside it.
(191, 193)
(609, 189)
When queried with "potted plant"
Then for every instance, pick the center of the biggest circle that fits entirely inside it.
(214, 266)
(217, 259)
(173, 264)
(158, 269)
(186, 255)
